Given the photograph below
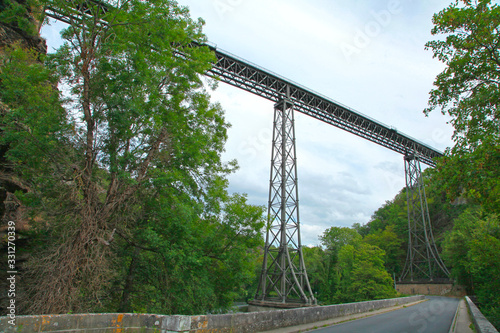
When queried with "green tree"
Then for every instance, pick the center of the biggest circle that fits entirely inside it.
(136, 112)
(388, 241)
(182, 262)
(468, 90)
(393, 213)
(317, 265)
(32, 121)
(32, 118)
(125, 183)
(333, 240)
(362, 274)
(472, 248)
(389, 224)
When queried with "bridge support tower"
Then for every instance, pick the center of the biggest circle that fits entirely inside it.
(283, 282)
(423, 263)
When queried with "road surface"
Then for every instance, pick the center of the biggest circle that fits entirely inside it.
(432, 316)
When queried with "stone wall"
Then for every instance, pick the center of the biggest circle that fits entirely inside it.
(446, 289)
(235, 322)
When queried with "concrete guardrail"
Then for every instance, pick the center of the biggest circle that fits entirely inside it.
(481, 324)
(235, 322)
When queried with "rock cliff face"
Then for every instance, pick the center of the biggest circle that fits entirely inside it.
(11, 209)
(11, 34)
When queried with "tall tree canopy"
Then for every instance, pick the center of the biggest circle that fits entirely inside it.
(348, 268)
(362, 275)
(472, 248)
(469, 91)
(125, 183)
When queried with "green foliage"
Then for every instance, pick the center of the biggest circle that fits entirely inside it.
(388, 228)
(389, 242)
(318, 265)
(34, 121)
(362, 275)
(125, 175)
(181, 263)
(472, 248)
(393, 213)
(334, 238)
(34, 130)
(468, 90)
(474, 175)
(17, 15)
(348, 269)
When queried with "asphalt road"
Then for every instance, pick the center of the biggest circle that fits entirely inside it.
(432, 316)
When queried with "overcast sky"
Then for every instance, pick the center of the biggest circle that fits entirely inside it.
(366, 54)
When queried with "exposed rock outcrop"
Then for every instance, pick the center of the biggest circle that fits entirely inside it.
(12, 34)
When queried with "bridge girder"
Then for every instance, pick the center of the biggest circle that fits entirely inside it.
(240, 73)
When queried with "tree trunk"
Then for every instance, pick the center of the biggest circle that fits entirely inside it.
(129, 284)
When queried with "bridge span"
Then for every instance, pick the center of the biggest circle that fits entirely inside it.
(250, 77)
(245, 75)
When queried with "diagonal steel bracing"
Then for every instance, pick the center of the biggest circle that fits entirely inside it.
(284, 276)
(423, 262)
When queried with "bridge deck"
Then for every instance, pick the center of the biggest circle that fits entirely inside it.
(240, 73)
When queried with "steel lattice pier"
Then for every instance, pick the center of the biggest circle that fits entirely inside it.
(284, 276)
(423, 261)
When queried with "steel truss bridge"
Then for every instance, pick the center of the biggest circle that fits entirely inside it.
(240, 73)
(284, 281)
